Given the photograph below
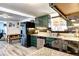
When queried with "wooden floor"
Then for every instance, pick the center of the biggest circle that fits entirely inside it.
(15, 49)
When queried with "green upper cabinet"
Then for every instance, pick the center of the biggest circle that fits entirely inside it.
(42, 21)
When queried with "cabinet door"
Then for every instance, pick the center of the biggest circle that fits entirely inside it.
(49, 41)
(42, 21)
(33, 41)
(45, 21)
(36, 22)
(40, 42)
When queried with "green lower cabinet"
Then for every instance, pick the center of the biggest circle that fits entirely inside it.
(49, 41)
(33, 41)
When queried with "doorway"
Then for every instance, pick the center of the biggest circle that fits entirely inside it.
(2, 30)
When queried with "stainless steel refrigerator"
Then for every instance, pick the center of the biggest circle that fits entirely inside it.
(25, 37)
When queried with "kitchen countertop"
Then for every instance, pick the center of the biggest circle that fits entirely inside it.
(49, 52)
(63, 37)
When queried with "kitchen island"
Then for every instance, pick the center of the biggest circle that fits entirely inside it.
(63, 41)
(51, 35)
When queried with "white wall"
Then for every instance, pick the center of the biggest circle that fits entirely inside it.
(13, 29)
(2, 27)
(28, 19)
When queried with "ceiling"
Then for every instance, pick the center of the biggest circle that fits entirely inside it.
(70, 10)
(12, 17)
(35, 10)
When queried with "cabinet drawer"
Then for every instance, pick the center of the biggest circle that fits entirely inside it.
(34, 42)
(49, 41)
(33, 37)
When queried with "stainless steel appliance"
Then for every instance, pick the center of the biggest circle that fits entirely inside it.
(25, 37)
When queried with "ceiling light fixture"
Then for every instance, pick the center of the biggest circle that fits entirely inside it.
(15, 12)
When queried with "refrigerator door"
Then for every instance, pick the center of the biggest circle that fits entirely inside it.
(25, 37)
(23, 34)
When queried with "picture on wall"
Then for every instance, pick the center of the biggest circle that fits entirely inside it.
(17, 24)
(10, 24)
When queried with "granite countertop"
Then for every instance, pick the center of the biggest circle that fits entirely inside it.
(49, 52)
(44, 34)
(63, 37)
(69, 38)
